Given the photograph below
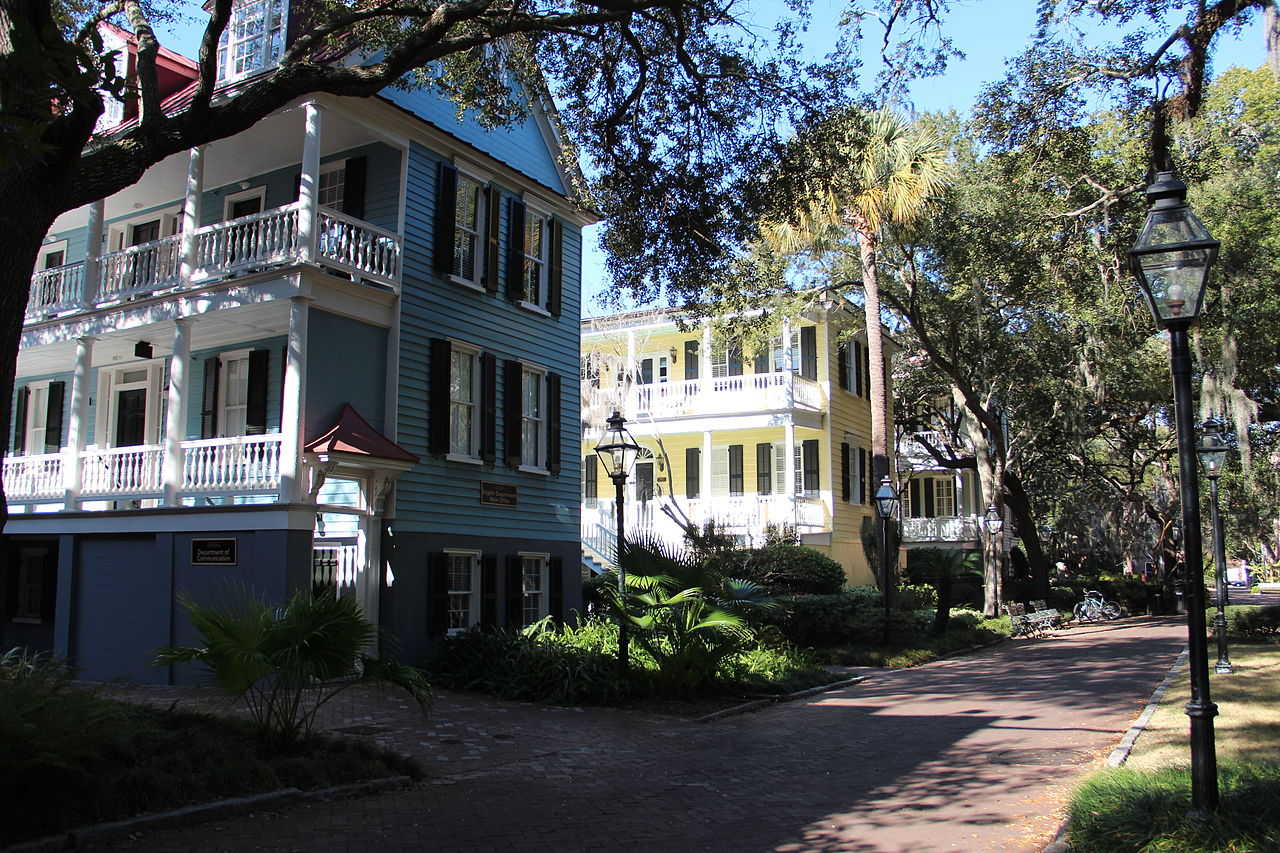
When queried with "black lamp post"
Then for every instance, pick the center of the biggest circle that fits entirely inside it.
(994, 522)
(1171, 261)
(886, 499)
(618, 451)
(1213, 453)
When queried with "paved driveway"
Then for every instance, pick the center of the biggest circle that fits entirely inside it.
(973, 754)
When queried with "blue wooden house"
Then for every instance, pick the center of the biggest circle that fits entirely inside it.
(328, 352)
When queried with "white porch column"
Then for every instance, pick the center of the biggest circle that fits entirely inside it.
(309, 187)
(789, 459)
(629, 402)
(77, 424)
(293, 410)
(704, 477)
(92, 264)
(175, 427)
(191, 211)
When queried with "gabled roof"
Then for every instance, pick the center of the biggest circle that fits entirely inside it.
(352, 434)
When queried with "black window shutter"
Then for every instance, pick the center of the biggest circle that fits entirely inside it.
(515, 593)
(438, 396)
(555, 588)
(255, 416)
(764, 468)
(438, 594)
(488, 407)
(735, 469)
(810, 456)
(590, 479)
(354, 181)
(53, 417)
(866, 372)
(209, 399)
(493, 227)
(809, 352)
(692, 472)
(20, 421)
(446, 218)
(915, 498)
(930, 507)
(862, 476)
(488, 591)
(515, 250)
(846, 481)
(735, 358)
(555, 268)
(511, 411)
(553, 423)
(761, 364)
(855, 380)
(842, 358)
(691, 360)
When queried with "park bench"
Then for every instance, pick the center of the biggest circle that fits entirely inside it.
(1037, 623)
(1040, 610)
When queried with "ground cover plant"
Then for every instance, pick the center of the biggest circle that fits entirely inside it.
(1143, 806)
(69, 757)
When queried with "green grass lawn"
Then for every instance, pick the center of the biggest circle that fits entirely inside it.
(1143, 806)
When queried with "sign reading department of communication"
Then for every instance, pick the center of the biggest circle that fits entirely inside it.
(497, 494)
(213, 552)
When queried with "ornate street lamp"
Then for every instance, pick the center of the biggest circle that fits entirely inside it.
(993, 521)
(1213, 454)
(1171, 261)
(886, 499)
(618, 451)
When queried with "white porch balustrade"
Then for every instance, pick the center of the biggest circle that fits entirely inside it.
(238, 465)
(950, 528)
(249, 243)
(719, 395)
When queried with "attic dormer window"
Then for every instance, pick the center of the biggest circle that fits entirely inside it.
(253, 40)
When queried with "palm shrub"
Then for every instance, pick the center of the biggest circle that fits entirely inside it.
(287, 663)
(685, 615)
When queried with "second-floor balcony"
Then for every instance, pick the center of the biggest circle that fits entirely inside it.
(720, 395)
(246, 244)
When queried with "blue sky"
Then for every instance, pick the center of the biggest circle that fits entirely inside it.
(988, 32)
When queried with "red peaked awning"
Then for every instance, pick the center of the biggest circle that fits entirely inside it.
(352, 434)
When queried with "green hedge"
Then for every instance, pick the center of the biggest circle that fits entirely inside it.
(1252, 621)
(785, 569)
(853, 616)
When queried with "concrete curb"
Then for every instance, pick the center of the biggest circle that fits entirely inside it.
(1121, 753)
(72, 839)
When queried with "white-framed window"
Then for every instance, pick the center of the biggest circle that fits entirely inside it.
(53, 254)
(719, 361)
(464, 590)
(535, 255)
(944, 497)
(37, 415)
(785, 360)
(253, 40)
(113, 107)
(464, 402)
(468, 230)
(244, 203)
(131, 413)
(533, 418)
(333, 182)
(233, 393)
(534, 580)
(145, 228)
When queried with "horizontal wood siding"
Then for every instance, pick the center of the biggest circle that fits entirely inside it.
(439, 496)
(346, 363)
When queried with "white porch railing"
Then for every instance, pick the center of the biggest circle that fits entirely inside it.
(335, 564)
(56, 289)
(951, 528)
(249, 243)
(752, 392)
(358, 248)
(238, 465)
(747, 516)
(34, 477)
(140, 269)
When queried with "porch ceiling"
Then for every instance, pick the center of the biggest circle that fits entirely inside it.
(215, 330)
(273, 143)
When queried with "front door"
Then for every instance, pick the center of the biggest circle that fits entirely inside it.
(644, 481)
(144, 232)
(131, 417)
(245, 207)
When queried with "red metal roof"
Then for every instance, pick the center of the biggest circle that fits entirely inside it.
(352, 434)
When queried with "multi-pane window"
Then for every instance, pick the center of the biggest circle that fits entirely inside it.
(785, 360)
(464, 420)
(536, 240)
(253, 39)
(235, 394)
(944, 497)
(469, 214)
(532, 418)
(332, 184)
(464, 599)
(719, 361)
(533, 573)
(37, 412)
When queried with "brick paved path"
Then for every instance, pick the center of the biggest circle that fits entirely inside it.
(977, 753)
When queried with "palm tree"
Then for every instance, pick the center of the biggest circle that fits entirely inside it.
(852, 173)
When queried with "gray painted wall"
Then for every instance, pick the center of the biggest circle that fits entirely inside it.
(346, 363)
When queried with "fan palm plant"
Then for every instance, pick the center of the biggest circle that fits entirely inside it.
(287, 663)
(686, 616)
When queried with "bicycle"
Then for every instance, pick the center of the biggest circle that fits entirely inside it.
(1095, 608)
